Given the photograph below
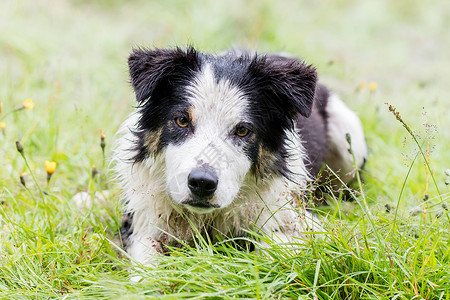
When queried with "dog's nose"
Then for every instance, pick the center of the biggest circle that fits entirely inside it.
(203, 182)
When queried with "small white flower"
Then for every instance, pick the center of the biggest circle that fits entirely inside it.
(447, 172)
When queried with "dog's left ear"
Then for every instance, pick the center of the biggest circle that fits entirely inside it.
(288, 81)
(150, 69)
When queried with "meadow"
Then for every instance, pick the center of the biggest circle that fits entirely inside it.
(64, 85)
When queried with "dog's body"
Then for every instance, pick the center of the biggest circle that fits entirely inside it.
(222, 143)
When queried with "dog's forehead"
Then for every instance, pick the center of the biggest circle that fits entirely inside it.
(216, 97)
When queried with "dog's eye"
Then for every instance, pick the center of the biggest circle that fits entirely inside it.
(182, 121)
(242, 131)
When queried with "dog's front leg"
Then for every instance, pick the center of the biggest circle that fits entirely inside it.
(281, 226)
(286, 226)
(144, 250)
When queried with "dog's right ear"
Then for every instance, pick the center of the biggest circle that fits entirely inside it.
(288, 82)
(150, 69)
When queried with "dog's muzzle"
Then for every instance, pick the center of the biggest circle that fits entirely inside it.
(202, 183)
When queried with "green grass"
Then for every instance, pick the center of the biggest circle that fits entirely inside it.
(70, 58)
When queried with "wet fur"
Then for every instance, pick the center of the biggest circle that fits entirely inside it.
(293, 133)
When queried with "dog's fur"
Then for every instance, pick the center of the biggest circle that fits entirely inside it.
(259, 127)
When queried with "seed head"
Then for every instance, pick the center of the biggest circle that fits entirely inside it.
(348, 138)
(102, 139)
(388, 208)
(94, 171)
(19, 147)
(22, 178)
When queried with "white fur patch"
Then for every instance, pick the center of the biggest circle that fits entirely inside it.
(217, 108)
(296, 157)
(342, 120)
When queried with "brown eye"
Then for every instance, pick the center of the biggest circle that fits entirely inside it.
(182, 121)
(242, 131)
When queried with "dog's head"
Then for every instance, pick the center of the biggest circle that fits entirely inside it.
(217, 119)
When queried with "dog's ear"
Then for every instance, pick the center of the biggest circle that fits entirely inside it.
(160, 67)
(288, 81)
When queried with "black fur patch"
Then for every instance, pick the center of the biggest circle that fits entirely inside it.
(125, 229)
(158, 78)
(313, 131)
(278, 89)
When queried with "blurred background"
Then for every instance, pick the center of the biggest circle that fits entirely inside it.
(70, 57)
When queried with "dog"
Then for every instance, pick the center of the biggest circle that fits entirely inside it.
(225, 144)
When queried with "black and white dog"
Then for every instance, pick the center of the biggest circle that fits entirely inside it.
(224, 143)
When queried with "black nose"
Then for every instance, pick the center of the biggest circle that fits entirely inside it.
(203, 182)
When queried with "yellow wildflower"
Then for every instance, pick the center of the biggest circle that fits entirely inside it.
(28, 104)
(50, 167)
(2, 125)
(372, 86)
(361, 85)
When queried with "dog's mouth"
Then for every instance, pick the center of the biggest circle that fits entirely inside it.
(200, 203)
(200, 206)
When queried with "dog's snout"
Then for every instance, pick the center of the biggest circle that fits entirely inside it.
(203, 182)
